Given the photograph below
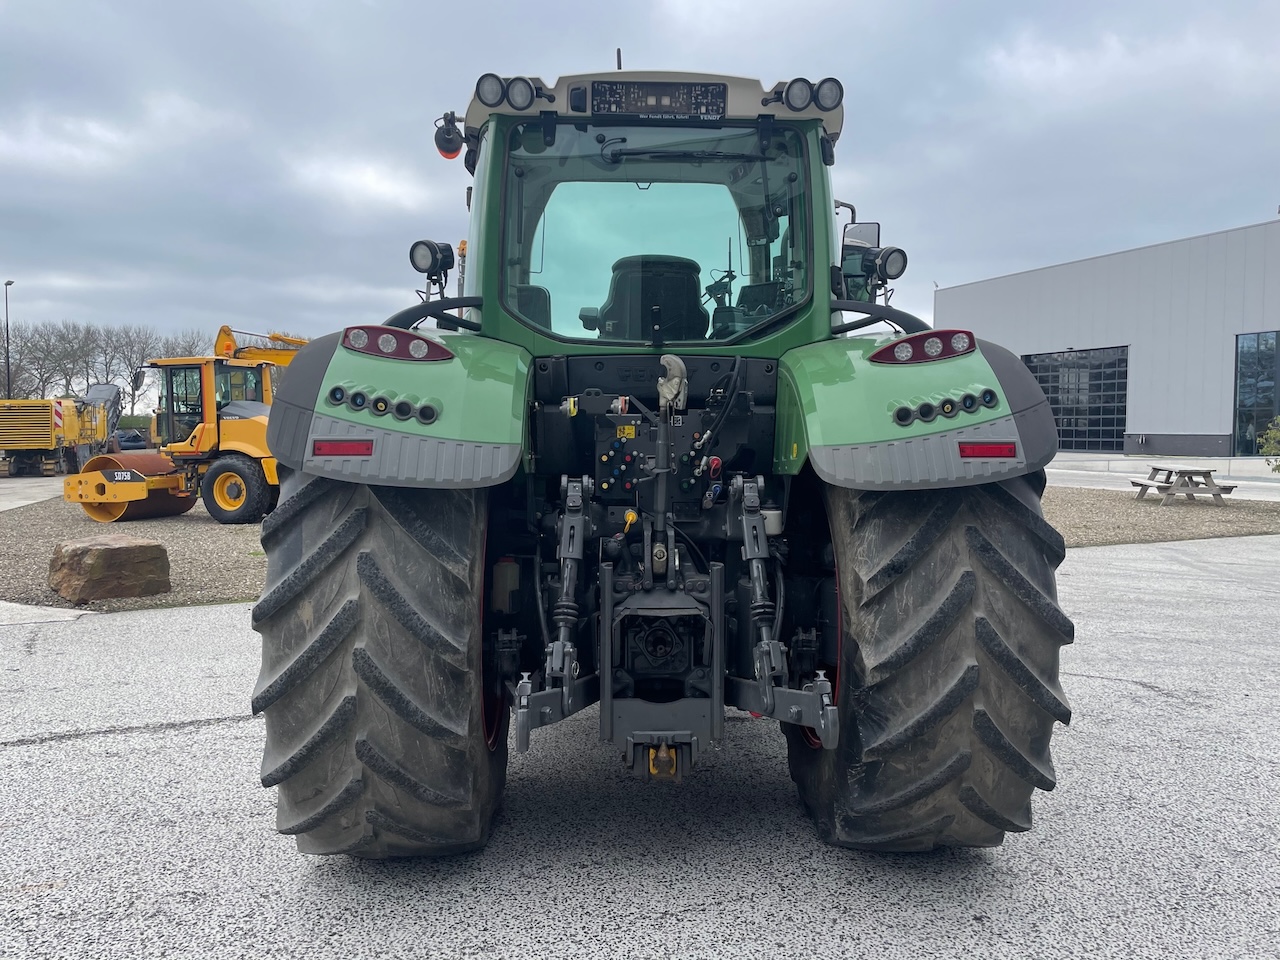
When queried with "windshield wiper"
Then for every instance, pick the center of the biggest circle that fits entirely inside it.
(617, 156)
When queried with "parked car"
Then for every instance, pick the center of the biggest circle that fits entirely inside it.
(131, 440)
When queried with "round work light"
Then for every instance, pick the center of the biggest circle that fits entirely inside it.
(893, 263)
(520, 93)
(490, 90)
(798, 94)
(829, 94)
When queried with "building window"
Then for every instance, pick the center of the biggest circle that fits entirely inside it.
(1088, 391)
(1256, 370)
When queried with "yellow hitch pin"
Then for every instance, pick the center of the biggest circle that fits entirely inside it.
(630, 517)
(662, 762)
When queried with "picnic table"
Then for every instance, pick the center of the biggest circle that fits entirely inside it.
(1188, 481)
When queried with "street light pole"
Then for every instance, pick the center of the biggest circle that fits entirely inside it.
(8, 374)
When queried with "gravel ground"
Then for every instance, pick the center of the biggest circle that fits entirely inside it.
(213, 563)
(209, 562)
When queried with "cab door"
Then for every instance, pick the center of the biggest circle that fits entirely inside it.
(181, 404)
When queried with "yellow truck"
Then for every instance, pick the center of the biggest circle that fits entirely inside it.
(211, 425)
(48, 437)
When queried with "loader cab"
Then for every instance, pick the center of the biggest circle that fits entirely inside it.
(240, 384)
(181, 411)
(201, 397)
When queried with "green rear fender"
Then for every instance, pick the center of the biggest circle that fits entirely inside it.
(836, 410)
(466, 422)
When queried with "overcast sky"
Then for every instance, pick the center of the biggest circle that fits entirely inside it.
(268, 163)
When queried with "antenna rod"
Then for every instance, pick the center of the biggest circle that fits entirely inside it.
(619, 58)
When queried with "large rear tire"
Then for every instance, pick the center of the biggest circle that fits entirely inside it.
(372, 678)
(947, 674)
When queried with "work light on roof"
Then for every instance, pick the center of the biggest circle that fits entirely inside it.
(520, 93)
(490, 90)
(829, 94)
(798, 94)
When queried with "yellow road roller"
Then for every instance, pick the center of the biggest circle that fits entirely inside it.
(212, 426)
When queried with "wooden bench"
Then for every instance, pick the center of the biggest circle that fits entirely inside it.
(1146, 485)
(1169, 482)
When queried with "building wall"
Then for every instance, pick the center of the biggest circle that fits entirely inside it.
(1178, 307)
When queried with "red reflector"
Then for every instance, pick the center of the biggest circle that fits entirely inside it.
(342, 448)
(988, 449)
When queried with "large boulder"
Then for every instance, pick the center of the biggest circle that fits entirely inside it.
(108, 566)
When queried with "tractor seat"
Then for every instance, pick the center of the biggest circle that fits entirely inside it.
(643, 282)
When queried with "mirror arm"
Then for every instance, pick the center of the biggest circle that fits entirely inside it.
(876, 312)
(407, 318)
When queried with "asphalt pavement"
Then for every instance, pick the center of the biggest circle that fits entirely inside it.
(132, 823)
(20, 491)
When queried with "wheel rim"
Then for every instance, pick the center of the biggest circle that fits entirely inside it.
(229, 491)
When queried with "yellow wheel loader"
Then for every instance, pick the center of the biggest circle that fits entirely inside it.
(211, 426)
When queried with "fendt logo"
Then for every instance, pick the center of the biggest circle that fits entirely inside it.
(637, 374)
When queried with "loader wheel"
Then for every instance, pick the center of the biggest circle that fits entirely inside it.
(947, 672)
(235, 490)
(380, 731)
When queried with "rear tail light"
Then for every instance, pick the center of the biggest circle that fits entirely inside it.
(342, 448)
(993, 451)
(921, 347)
(379, 341)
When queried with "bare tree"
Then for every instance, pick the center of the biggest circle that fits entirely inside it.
(138, 344)
(20, 358)
(109, 364)
(75, 351)
(41, 350)
(187, 343)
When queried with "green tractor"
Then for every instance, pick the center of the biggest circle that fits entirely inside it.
(668, 452)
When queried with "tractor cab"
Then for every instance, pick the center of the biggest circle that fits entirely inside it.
(642, 210)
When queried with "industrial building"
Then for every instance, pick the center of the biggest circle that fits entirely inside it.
(1165, 350)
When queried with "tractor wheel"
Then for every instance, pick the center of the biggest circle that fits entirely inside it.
(235, 490)
(947, 672)
(382, 734)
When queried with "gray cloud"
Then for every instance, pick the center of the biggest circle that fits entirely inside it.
(268, 164)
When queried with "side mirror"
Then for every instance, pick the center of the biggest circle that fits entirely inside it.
(864, 233)
(139, 377)
(590, 317)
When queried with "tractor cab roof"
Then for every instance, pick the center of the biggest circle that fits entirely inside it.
(657, 96)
